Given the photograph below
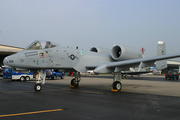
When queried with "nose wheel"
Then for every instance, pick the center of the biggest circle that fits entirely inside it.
(40, 77)
(37, 87)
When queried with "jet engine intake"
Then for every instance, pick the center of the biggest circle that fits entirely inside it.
(120, 52)
(100, 50)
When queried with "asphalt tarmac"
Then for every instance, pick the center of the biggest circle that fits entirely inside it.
(144, 98)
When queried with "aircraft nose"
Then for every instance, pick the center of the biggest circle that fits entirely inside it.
(5, 61)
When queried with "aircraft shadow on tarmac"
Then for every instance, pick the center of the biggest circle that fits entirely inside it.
(143, 78)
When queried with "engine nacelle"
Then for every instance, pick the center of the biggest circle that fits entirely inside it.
(120, 52)
(100, 50)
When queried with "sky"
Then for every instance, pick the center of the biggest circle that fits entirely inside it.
(90, 23)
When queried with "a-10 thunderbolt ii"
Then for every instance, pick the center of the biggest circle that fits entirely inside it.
(42, 55)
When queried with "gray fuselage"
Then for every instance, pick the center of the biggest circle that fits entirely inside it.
(57, 58)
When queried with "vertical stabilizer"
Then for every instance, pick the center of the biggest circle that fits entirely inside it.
(161, 50)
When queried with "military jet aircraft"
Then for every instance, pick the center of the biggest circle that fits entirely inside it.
(42, 55)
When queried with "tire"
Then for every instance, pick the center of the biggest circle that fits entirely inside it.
(27, 78)
(117, 85)
(73, 83)
(22, 78)
(37, 87)
(177, 78)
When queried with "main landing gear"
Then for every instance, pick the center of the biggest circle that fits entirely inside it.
(40, 77)
(75, 81)
(117, 86)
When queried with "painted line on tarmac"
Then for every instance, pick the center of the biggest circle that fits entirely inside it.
(14, 92)
(89, 92)
(29, 113)
(55, 89)
(64, 89)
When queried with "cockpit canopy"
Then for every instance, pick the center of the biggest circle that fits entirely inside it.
(41, 44)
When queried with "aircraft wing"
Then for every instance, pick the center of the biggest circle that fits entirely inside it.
(122, 65)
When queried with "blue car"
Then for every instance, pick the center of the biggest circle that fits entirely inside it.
(53, 75)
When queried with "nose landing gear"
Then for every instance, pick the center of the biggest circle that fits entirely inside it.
(40, 77)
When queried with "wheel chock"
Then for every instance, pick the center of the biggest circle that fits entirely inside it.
(72, 86)
(113, 90)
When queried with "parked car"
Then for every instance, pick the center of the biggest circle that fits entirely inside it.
(53, 75)
(172, 74)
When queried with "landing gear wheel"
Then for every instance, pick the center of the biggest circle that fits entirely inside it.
(22, 78)
(37, 87)
(27, 78)
(74, 83)
(117, 85)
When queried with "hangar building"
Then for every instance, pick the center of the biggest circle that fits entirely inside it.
(6, 50)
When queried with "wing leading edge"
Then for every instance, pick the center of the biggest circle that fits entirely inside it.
(123, 65)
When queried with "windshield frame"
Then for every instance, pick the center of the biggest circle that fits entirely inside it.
(44, 44)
